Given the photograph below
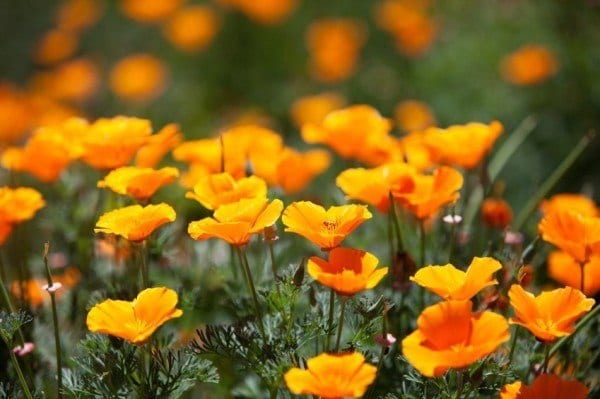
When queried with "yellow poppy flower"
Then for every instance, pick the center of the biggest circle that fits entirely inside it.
(413, 115)
(574, 202)
(572, 232)
(134, 321)
(295, 170)
(566, 270)
(325, 228)
(335, 376)
(150, 154)
(135, 222)
(314, 109)
(19, 204)
(192, 28)
(139, 183)
(139, 78)
(215, 190)
(149, 12)
(451, 283)
(529, 65)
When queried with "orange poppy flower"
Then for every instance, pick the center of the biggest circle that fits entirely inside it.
(449, 335)
(139, 77)
(415, 152)
(575, 234)
(112, 143)
(566, 270)
(351, 132)
(268, 12)
(373, 186)
(545, 386)
(413, 115)
(150, 154)
(334, 46)
(55, 46)
(451, 283)
(149, 12)
(33, 292)
(192, 28)
(427, 194)
(496, 213)
(529, 65)
(314, 109)
(551, 314)
(15, 113)
(75, 80)
(139, 183)
(295, 170)
(325, 228)
(575, 202)
(137, 320)
(348, 270)
(77, 15)
(212, 191)
(19, 204)
(334, 376)
(135, 222)
(236, 222)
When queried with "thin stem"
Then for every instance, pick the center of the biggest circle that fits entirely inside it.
(330, 319)
(341, 323)
(251, 288)
(54, 321)
(422, 243)
(451, 239)
(513, 344)
(24, 386)
(273, 264)
(390, 227)
(394, 214)
(143, 264)
(578, 327)
(546, 358)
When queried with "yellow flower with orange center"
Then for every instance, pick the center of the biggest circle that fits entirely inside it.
(413, 115)
(551, 314)
(325, 228)
(135, 321)
(566, 270)
(529, 65)
(332, 376)
(149, 11)
(574, 202)
(572, 232)
(235, 223)
(462, 145)
(135, 222)
(545, 386)
(450, 336)
(314, 109)
(139, 78)
(215, 190)
(347, 271)
(451, 283)
(139, 183)
(425, 195)
(150, 154)
(112, 143)
(496, 213)
(192, 28)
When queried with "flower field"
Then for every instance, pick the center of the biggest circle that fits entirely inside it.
(244, 199)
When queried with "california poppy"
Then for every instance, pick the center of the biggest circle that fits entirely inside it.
(135, 222)
(149, 12)
(294, 170)
(19, 204)
(347, 271)
(572, 232)
(157, 145)
(139, 78)
(75, 80)
(268, 12)
(215, 190)
(415, 152)
(77, 15)
(551, 314)
(55, 46)
(449, 335)
(566, 270)
(529, 65)
(496, 213)
(139, 183)
(451, 283)
(325, 228)
(238, 221)
(134, 321)
(575, 202)
(332, 376)
(314, 109)
(545, 386)
(192, 28)
(413, 115)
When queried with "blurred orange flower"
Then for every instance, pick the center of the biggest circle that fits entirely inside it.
(139, 78)
(413, 115)
(215, 190)
(139, 183)
(55, 46)
(427, 194)
(566, 270)
(19, 204)
(77, 15)
(449, 335)
(236, 222)
(545, 386)
(332, 376)
(373, 186)
(496, 213)
(348, 270)
(150, 154)
(451, 283)
(137, 320)
(529, 65)
(551, 314)
(314, 109)
(268, 12)
(334, 46)
(414, 151)
(575, 234)
(15, 113)
(575, 202)
(33, 293)
(149, 11)
(112, 143)
(75, 80)
(135, 222)
(192, 28)
(294, 170)
(462, 145)
(352, 132)
(325, 228)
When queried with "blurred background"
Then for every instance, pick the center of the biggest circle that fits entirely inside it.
(211, 64)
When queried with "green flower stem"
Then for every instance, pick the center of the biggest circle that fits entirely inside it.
(330, 319)
(451, 239)
(143, 264)
(394, 216)
(273, 264)
(578, 327)
(513, 344)
(24, 386)
(341, 323)
(546, 358)
(251, 288)
(422, 243)
(54, 322)
(551, 181)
